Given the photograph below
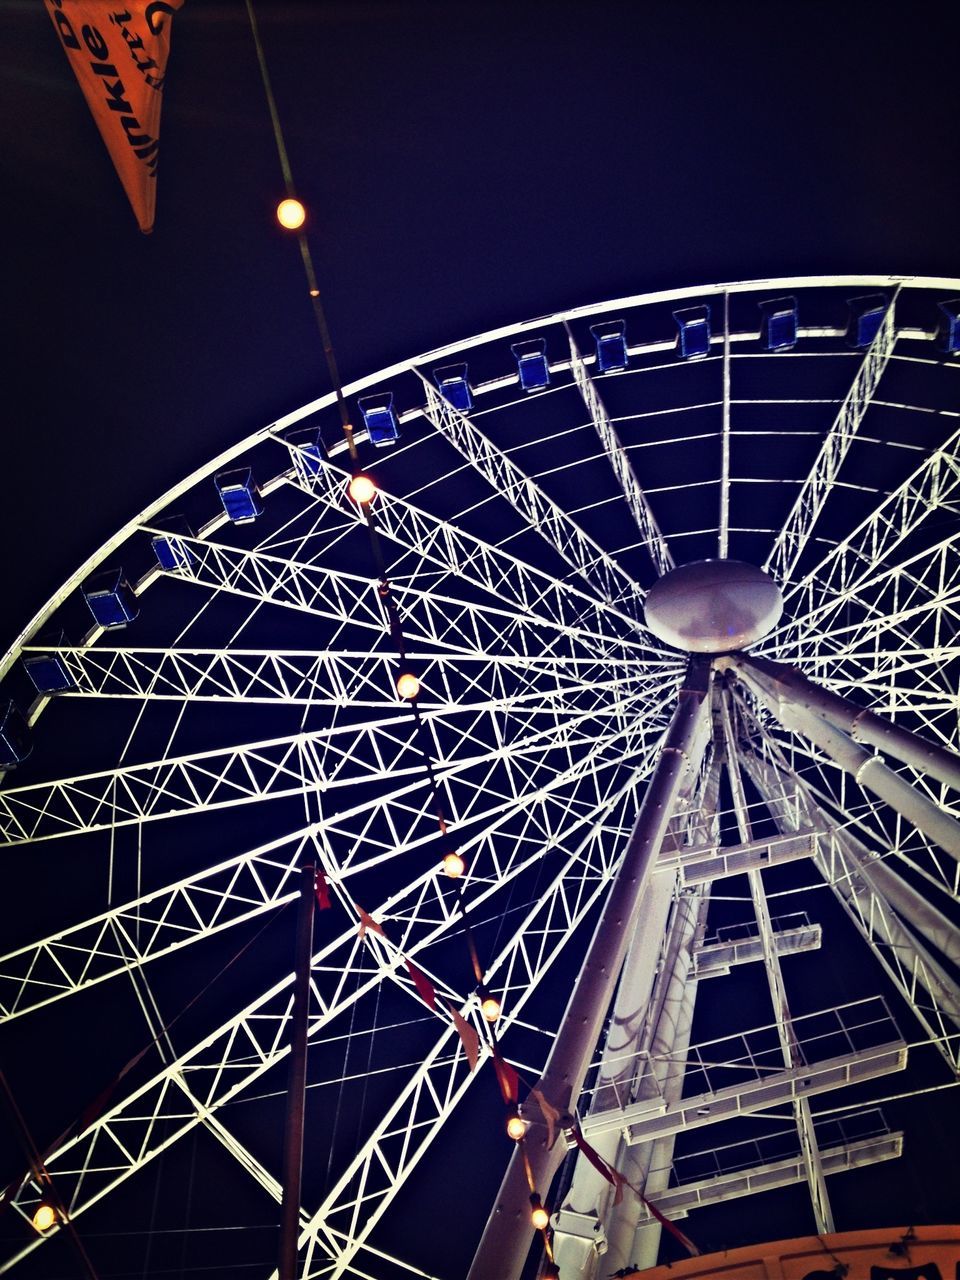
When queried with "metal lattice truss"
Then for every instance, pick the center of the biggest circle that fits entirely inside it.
(594, 564)
(816, 488)
(256, 712)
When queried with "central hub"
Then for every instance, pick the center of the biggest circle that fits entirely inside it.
(713, 606)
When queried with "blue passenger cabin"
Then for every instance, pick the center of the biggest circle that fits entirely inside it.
(110, 599)
(778, 325)
(949, 330)
(49, 673)
(380, 418)
(693, 336)
(453, 386)
(866, 317)
(531, 358)
(15, 742)
(239, 494)
(611, 340)
(172, 552)
(306, 452)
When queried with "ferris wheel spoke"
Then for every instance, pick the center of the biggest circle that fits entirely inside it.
(461, 555)
(264, 878)
(539, 512)
(340, 756)
(332, 678)
(229, 1059)
(793, 538)
(364, 1192)
(933, 487)
(895, 594)
(348, 599)
(636, 499)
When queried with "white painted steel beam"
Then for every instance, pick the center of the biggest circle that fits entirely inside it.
(790, 1048)
(934, 486)
(653, 540)
(679, 1201)
(344, 598)
(538, 511)
(847, 867)
(716, 959)
(798, 527)
(506, 1239)
(868, 769)
(387, 749)
(337, 678)
(650, 1119)
(227, 1061)
(461, 555)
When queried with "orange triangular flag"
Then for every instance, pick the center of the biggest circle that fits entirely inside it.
(119, 55)
(550, 1114)
(507, 1079)
(322, 891)
(422, 983)
(368, 922)
(468, 1037)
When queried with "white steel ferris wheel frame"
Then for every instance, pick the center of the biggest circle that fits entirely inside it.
(560, 655)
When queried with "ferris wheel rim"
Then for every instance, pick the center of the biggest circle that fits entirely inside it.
(273, 431)
(285, 421)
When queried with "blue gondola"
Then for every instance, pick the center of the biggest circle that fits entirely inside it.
(532, 364)
(453, 386)
(778, 327)
(866, 316)
(611, 340)
(110, 599)
(239, 494)
(380, 419)
(693, 332)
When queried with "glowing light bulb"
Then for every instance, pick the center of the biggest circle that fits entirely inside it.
(516, 1128)
(490, 1008)
(454, 865)
(361, 488)
(291, 214)
(540, 1218)
(408, 686)
(45, 1217)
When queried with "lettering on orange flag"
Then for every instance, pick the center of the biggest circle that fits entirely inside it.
(119, 55)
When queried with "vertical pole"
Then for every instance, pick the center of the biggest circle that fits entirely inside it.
(297, 1083)
(792, 1054)
(508, 1234)
(725, 436)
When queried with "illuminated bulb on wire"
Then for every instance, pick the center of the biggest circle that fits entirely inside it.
(490, 1008)
(516, 1128)
(361, 489)
(454, 865)
(45, 1217)
(539, 1217)
(291, 214)
(408, 686)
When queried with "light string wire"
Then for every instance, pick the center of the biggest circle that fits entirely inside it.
(508, 1078)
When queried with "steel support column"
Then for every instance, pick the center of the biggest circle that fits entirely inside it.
(507, 1236)
(868, 770)
(860, 723)
(296, 1088)
(792, 1056)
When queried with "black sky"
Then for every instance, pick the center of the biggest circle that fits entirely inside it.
(465, 165)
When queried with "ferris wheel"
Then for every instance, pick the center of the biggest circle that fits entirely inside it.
(674, 583)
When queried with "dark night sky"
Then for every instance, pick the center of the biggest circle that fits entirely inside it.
(464, 166)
